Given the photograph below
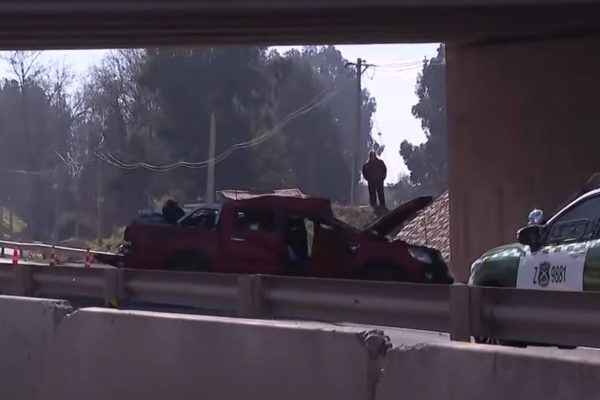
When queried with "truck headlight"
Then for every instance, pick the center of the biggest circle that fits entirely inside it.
(420, 255)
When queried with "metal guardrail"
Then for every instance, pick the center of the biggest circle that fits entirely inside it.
(45, 249)
(559, 318)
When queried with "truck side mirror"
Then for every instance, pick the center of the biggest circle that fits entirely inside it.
(531, 236)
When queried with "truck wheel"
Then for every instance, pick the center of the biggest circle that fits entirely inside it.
(189, 262)
(383, 272)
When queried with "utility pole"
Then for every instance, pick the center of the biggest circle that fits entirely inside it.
(99, 201)
(361, 67)
(210, 174)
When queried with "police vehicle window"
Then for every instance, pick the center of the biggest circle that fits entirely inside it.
(255, 220)
(570, 231)
(577, 223)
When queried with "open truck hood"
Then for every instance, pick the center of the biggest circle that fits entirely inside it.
(401, 214)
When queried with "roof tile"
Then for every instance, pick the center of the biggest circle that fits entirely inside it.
(431, 227)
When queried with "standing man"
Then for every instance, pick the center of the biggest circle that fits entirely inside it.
(374, 171)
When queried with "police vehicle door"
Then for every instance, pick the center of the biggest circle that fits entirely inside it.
(560, 264)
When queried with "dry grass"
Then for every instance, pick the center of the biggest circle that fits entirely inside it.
(18, 224)
(359, 217)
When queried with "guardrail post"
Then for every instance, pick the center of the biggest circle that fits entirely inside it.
(460, 312)
(249, 301)
(23, 285)
(113, 287)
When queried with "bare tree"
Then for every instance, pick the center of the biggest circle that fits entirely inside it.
(25, 66)
(42, 126)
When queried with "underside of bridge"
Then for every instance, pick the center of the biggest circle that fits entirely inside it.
(522, 79)
(134, 23)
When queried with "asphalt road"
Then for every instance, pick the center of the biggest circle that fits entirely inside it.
(399, 337)
(409, 337)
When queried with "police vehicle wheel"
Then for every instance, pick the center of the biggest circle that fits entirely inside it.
(487, 340)
(498, 342)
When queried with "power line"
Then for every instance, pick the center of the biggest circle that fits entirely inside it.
(27, 172)
(407, 67)
(114, 161)
(320, 99)
(316, 102)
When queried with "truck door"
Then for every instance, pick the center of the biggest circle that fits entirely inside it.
(330, 251)
(253, 242)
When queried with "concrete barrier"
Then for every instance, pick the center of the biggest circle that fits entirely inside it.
(49, 352)
(456, 371)
(27, 327)
(104, 354)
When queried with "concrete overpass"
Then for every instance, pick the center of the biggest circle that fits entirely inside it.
(522, 88)
(124, 23)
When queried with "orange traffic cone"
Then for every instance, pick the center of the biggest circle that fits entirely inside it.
(88, 259)
(53, 262)
(15, 256)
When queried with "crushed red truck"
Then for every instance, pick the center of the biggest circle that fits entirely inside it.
(278, 235)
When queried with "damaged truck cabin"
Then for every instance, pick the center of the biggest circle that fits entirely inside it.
(280, 235)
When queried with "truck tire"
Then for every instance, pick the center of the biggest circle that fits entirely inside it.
(382, 271)
(188, 261)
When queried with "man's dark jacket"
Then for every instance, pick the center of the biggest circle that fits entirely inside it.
(374, 171)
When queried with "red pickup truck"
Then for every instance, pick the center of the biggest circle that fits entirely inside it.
(283, 236)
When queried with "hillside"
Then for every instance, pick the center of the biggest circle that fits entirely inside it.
(359, 217)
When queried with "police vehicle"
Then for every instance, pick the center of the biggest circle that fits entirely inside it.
(561, 252)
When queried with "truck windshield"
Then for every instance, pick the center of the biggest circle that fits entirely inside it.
(203, 218)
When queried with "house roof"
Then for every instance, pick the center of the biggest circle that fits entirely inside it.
(431, 227)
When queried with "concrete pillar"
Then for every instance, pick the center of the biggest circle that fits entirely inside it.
(524, 127)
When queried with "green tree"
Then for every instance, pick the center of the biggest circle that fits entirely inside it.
(330, 67)
(235, 85)
(320, 145)
(154, 106)
(312, 143)
(428, 162)
(119, 120)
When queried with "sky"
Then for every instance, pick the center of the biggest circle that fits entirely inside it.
(393, 88)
